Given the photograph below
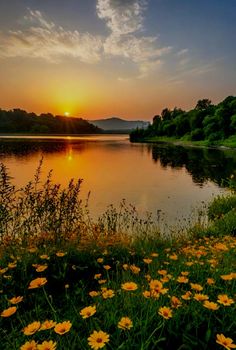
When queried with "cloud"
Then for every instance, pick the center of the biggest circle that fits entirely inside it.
(43, 39)
(39, 37)
(122, 16)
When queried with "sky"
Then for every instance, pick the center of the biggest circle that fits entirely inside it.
(128, 58)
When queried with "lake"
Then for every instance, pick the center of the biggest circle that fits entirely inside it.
(169, 180)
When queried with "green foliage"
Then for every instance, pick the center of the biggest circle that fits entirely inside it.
(19, 121)
(204, 122)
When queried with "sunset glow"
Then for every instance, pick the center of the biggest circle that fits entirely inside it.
(107, 58)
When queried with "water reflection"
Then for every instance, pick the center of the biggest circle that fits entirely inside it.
(203, 164)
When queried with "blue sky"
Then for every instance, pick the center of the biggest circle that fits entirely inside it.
(130, 57)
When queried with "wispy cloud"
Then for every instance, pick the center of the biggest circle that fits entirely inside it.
(41, 38)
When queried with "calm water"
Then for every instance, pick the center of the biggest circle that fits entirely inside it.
(172, 179)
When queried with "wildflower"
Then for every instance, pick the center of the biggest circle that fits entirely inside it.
(200, 297)
(224, 300)
(227, 343)
(102, 281)
(125, 323)
(175, 302)
(108, 293)
(210, 305)
(189, 263)
(182, 279)
(125, 266)
(210, 281)
(63, 327)
(196, 287)
(100, 260)
(98, 339)
(135, 269)
(15, 300)
(186, 296)
(93, 293)
(173, 257)
(12, 265)
(47, 345)
(88, 311)
(32, 250)
(147, 294)
(31, 328)
(48, 324)
(67, 286)
(29, 345)
(107, 267)
(162, 272)
(154, 255)
(44, 257)
(8, 312)
(2, 271)
(97, 276)
(227, 277)
(156, 286)
(129, 286)
(185, 273)
(147, 261)
(37, 283)
(165, 312)
(41, 268)
(60, 254)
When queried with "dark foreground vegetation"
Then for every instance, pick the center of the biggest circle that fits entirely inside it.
(206, 122)
(69, 282)
(19, 121)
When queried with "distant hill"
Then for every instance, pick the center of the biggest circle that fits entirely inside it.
(113, 124)
(19, 121)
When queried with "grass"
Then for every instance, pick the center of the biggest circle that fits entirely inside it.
(229, 142)
(57, 264)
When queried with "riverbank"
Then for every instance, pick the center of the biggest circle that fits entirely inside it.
(69, 282)
(229, 143)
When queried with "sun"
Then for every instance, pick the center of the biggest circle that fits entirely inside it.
(66, 114)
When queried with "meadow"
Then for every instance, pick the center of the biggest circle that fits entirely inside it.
(71, 282)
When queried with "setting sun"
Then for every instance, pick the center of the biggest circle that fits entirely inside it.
(66, 114)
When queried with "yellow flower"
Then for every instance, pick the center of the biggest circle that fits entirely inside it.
(129, 286)
(224, 300)
(88, 311)
(200, 297)
(8, 312)
(44, 257)
(125, 266)
(60, 254)
(2, 271)
(184, 273)
(162, 272)
(154, 255)
(156, 286)
(182, 279)
(186, 296)
(102, 281)
(227, 343)
(29, 345)
(48, 324)
(12, 265)
(196, 286)
(135, 269)
(63, 327)
(37, 283)
(165, 312)
(227, 277)
(173, 257)
(47, 345)
(210, 305)
(100, 260)
(32, 250)
(147, 261)
(175, 302)
(41, 268)
(93, 293)
(97, 276)
(31, 328)
(98, 340)
(15, 300)
(125, 323)
(210, 281)
(107, 267)
(108, 293)
(147, 294)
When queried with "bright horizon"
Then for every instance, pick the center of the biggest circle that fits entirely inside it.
(126, 58)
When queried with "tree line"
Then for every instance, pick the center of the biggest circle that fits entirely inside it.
(205, 122)
(20, 121)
